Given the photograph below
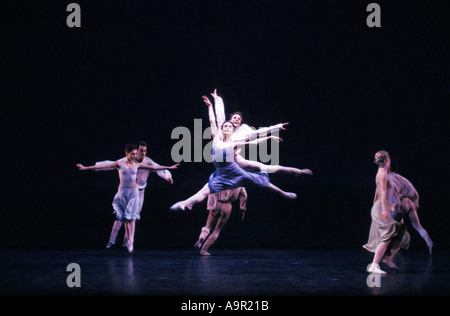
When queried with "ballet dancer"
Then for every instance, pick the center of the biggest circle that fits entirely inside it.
(386, 235)
(406, 200)
(242, 139)
(228, 174)
(141, 181)
(219, 206)
(243, 132)
(126, 201)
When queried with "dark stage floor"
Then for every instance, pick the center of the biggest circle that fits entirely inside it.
(230, 272)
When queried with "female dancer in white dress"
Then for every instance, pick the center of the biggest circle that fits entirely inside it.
(126, 201)
(239, 138)
(141, 181)
(384, 231)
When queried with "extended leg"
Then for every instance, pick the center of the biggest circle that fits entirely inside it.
(243, 163)
(196, 198)
(288, 195)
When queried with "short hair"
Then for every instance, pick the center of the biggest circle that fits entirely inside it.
(141, 143)
(383, 156)
(129, 148)
(238, 113)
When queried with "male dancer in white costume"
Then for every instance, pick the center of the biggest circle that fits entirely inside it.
(126, 201)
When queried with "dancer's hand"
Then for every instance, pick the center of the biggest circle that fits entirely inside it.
(214, 94)
(384, 215)
(278, 139)
(206, 100)
(282, 126)
(174, 166)
(170, 180)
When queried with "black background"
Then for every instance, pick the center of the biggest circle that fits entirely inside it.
(137, 69)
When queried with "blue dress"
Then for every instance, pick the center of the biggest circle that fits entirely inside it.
(229, 175)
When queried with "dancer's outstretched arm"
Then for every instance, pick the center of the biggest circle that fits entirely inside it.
(165, 174)
(245, 132)
(109, 166)
(154, 167)
(257, 141)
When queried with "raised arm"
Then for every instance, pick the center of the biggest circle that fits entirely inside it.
(109, 166)
(219, 108)
(212, 118)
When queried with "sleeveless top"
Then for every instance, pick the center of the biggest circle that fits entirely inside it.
(127, 177)
(229, 175)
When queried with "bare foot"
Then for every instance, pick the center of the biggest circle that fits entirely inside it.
(179, 206)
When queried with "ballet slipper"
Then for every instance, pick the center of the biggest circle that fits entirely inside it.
(205, 253)
(130, 246)
(375, 268)
(290, 195)
(179, 206)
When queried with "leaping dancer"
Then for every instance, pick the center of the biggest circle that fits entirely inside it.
(229, 174)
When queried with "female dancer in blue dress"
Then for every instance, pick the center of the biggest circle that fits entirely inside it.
(228, 174)
(126, 201)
